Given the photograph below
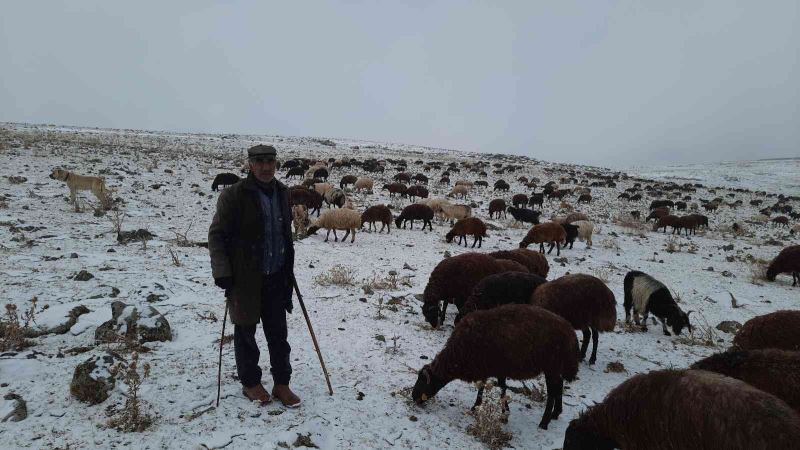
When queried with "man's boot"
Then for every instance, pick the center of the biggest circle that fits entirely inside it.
(257, 393)
(286, 396)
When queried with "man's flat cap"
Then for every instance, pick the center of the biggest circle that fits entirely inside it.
(261, 150)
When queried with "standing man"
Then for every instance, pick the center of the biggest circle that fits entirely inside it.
(252, 259)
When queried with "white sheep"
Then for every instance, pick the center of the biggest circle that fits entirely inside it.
(337, 219)
(585, 230)
(364, 183)
(460, 190)
(322, 188)
(456, 212)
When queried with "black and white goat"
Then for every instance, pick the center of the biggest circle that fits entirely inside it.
(647, 295)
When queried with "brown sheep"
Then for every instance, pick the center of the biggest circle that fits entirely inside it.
(519, 200)
(498, 206)
(546, 232)
(508, 265)
(688, 223)
(417, 191)
(395, 188)
(657, 214)
(346, 180)
(511, 341)
(501, 289)
(585, 198)
(534, 261)
(664, 222)
(779, 329)
(781, 221)
(574, 217)
(787, 261)
(683, 409)
(310, 199)
(415, 211)
(771, 370)
(378, 213)
(470, 226)
(452, 280)
(585, 302)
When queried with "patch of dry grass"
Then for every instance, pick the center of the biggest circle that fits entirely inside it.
(338, 275)
(489, 419)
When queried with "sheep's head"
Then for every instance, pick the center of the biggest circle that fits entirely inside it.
(312, 230)
(579, 438)
(427, 385)
(431, 313)
(398, 222)
(771, 273)
(449, 236)
(679, 321)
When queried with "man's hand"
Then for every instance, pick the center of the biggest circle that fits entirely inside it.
(224, 283)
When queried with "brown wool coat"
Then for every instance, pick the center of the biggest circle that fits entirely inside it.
(236, 247)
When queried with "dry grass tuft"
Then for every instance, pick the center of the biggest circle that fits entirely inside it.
(15, 326)
(758, 271)
(489, 419)
(603, 273)
(338, 275)
(702, 334)
(391, 281)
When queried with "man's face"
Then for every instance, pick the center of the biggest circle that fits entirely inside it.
(263, 168)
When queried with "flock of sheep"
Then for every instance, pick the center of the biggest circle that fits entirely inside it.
(513, 323)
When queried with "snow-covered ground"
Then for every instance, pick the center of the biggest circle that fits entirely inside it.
(372, 360)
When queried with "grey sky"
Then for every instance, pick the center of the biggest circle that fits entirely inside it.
(596, 82)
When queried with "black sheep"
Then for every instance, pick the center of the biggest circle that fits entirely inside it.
(224, 179)
(501, 289)
(524, 215)
(415, 211)
(572, 233)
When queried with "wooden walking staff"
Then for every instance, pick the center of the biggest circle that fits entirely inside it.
(221, 341)
(313, 337)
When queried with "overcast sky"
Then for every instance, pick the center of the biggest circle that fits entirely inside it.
(596, 82)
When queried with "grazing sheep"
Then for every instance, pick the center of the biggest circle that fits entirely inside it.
(771, 370)
(702, 221)
(779, 329)
(501, 185)
(469, 226)
(225, 180)
(455, 212)
(585, 230)
(466, 183)
(337, 219)
(395, 188)
(787, 261)
(335, 197)
(508, 265)
(585, 198)
(459, 190)
(452, 280)
(524, 215)
(497, 206)
(574, 217)
(661, 204)
(364, 184)
(685, 409)
(572, 233)
(302, 196)
(322, 174)
(519, 200)
(582, 300)
(645, 294)
(536, 199)
(657, 214)
(420, 178)
(417, 191)
(636, 215)
(510, 341)
(415, 211)
(546, 232)
(293, 172)
(687, 223)
(444, 180)
(635, 197)
(664, 222)
(501, 289)
(781, 221)
(378, 213)
(346, 180)
(403, 177)
(535, 262)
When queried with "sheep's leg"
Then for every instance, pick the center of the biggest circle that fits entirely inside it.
(557, 404)
(541, 247)
(644, 320)
(442, 313)
(430, 226)
(552, 244)
(551, 398)
(347, 233)
(795, 278)
(664, 327)
(335, 237)
(353, 238)
(501, 381)
(328, 235)
(558, 249)
(412, 224)
(479, 397)
(595, 340)
(585, 342)
(480, 241)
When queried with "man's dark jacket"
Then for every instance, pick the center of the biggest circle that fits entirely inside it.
(236, 246)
